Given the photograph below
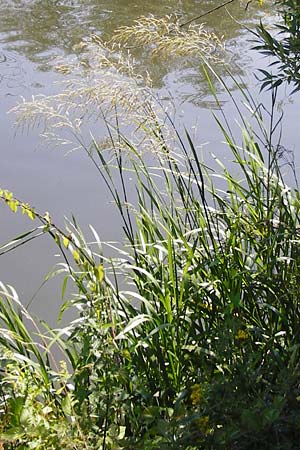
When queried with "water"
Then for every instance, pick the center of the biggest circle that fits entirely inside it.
(34, 36)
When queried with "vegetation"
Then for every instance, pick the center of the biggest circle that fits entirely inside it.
(189, 338)
(283, 47)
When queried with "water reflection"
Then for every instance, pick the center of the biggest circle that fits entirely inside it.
(12, 73)
(41, 30)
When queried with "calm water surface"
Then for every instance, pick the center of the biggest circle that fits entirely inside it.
(34, 34)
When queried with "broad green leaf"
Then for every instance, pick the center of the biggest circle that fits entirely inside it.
(13, 205)
(30, 213)
(134, 323)
(66, 405)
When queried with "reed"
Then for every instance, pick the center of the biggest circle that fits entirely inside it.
(189, 338)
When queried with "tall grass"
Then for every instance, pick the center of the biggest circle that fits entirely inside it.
(189, 339)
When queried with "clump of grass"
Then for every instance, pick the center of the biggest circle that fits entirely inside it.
(36, 402)
(108, 84)
(167, 36)
(189, 338)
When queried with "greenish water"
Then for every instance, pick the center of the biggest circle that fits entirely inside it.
(39, 30)
(34, 36)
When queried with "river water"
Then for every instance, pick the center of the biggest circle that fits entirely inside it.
(34, 36)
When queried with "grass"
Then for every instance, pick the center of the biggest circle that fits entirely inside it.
(189, 339)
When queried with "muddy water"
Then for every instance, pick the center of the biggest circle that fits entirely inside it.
(34, 35)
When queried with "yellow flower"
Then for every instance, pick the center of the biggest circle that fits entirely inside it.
(203, 423)
(242, 335)
(196, 394)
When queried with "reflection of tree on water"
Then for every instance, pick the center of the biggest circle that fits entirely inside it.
(42, 29)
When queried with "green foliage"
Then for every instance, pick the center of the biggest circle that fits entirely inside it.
(36, 404)
(283, 47)
(189, 338)
(14, 204)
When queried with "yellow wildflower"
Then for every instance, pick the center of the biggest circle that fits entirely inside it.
(196, 394)
(242, 335)
(203, 423)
